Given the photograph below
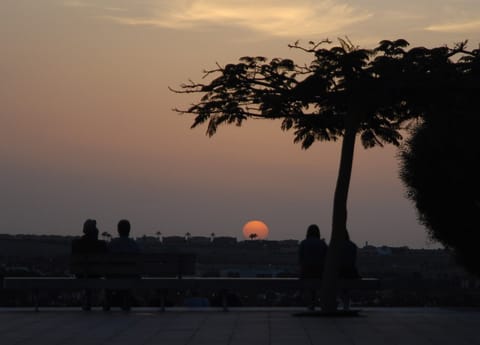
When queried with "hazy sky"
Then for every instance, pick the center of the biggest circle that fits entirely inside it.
(87, 130)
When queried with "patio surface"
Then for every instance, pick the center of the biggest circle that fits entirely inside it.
(266, 326)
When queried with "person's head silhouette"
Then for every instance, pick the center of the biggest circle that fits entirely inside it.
(90, 228)
(313, 231)
(123, 228)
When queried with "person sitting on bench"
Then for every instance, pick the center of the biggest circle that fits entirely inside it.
(88, 244)
(348, 267)
(123, 244)
(312, 253)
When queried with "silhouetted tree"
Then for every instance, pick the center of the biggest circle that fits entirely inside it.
(253, 236)
(187, 236)
(343, 92)
(441, 164)
(212, 236)
(159, 235)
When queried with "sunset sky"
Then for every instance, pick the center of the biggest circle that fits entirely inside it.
(87, 128)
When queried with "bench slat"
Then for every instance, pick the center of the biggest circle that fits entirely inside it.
(66, 283)
(115, 264)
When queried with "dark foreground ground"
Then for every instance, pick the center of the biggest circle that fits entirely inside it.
(391, 326)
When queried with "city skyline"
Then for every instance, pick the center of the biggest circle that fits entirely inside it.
(88, 129)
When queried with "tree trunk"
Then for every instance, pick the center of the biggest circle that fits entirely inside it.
(329, 288)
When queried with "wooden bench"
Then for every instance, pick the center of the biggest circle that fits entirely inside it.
(109, 271)
(161, 272)
(36, 284)
(131, 265)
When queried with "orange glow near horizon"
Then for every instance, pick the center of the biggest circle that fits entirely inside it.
(255, 227)
(87, 121)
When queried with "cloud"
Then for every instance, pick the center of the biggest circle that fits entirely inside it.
(467, 26)
(272, 17)
(83, 4)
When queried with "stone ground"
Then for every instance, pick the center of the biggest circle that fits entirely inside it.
(266, 326)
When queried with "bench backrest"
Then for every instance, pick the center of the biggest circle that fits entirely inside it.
(121, 265)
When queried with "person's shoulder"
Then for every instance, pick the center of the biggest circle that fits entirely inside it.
(113, 243)
(135, 245)
(352, 244)
(321, 245)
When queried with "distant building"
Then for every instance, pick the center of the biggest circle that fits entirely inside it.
(147, 239)
(199, 240)
(173, 240)
(384, 250)
(288, 243)
(225, 241)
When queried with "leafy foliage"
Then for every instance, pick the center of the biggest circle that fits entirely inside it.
(441, 163)
(371, 92)
(386, 86)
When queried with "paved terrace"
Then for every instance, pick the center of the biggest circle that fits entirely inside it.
(389, 326)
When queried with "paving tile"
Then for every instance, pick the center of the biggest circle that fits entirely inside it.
(240, 327)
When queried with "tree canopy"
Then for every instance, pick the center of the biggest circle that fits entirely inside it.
(345, 91)
(312, 100)
(389, 83)
(440, 164)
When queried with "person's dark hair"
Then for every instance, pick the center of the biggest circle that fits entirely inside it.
(123, 228)
(90, 228)
(347, 236)
(313, 231)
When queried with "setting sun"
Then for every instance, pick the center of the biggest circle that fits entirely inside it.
(255, 229)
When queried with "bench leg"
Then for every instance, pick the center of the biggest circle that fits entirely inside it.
(127, 299)
(311, 299)
(225, 300)
(87, 300)
(35, 300)
(162, 293)
(345, 297)
(107, 299)
(162, 301)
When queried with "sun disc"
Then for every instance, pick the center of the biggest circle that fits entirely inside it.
(255, 229)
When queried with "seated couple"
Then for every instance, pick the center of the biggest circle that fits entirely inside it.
(312, 256)
(90, 244)
(313, 252)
